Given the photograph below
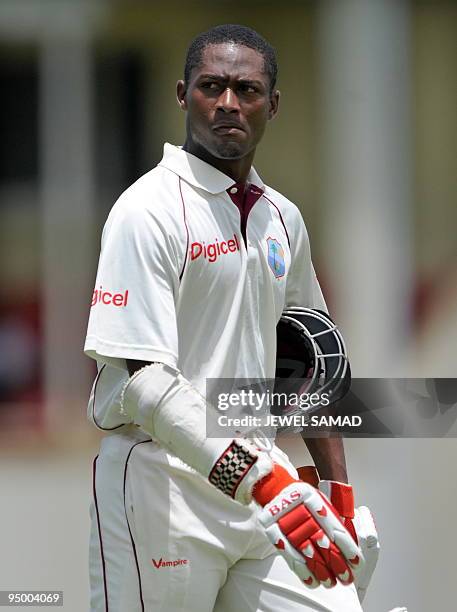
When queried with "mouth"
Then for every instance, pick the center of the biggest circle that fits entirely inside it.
(227, 128)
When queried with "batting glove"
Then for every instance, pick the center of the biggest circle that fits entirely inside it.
(360, 524)
(306, 530)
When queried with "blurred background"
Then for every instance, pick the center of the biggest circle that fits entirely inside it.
(365, 144)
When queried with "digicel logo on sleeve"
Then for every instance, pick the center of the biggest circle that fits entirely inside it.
(102, 296)
(212, 251)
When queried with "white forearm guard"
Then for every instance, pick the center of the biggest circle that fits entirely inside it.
(165, 405)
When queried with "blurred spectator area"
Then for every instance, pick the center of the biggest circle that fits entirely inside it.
(20, 332)
(114, 105)
(118, 98)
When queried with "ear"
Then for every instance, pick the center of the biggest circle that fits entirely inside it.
(274, 105)
(181, 95)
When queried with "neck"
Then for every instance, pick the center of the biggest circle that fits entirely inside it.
(237, 169)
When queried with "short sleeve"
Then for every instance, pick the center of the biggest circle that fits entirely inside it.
(302, 288)
(133, 314)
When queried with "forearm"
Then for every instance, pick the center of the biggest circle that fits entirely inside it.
(329, 458)
(164, 404)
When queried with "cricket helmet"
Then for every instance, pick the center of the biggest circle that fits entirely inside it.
(311, 355)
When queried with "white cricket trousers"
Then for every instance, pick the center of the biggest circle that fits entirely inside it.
(164, 540)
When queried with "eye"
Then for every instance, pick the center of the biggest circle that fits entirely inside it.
(211, 85)
(248, 88)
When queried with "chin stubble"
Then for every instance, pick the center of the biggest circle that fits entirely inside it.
(229, 150)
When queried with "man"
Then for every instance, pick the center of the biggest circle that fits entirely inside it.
(199, 259)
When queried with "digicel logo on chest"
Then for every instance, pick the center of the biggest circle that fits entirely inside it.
(215, 249)
(102, 296)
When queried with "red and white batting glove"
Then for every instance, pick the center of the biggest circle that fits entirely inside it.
(307, 531)
(360, 524)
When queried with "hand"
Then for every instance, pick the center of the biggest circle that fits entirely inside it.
(308, 533)
(360, 524)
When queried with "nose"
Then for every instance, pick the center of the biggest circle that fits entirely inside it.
(228, 101)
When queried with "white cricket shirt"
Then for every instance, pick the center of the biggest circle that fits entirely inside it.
(179, 283)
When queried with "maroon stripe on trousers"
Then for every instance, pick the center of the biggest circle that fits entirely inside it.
(94, 469)
(128, 525)
(93, 405)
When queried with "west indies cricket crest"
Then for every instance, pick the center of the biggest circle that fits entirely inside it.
(276, 257)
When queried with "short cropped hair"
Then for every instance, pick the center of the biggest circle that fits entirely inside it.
(237, 34)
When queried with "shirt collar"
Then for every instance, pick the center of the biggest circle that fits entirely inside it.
(200, 174)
